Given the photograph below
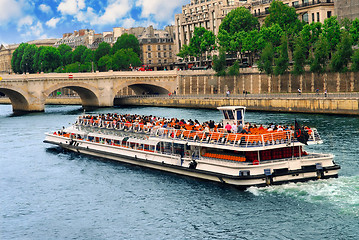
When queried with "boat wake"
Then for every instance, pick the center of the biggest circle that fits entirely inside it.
(342, 192)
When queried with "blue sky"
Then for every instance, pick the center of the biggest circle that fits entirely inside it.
(25, 20)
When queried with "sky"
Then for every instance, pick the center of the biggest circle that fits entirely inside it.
(25, 20)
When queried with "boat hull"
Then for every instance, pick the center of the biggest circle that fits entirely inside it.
(177, 165)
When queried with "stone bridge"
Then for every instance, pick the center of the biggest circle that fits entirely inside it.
(28, 92)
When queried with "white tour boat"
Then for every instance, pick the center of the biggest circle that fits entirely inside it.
(261, 157)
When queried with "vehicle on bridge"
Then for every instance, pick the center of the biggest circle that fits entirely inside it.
(252, 157)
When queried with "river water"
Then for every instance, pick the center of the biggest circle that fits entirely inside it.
(50, 194)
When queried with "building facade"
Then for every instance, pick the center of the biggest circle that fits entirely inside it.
(347, 9)
(157, 48)
(201, 13)
(6, 52)
(308, 10)
(210, 13)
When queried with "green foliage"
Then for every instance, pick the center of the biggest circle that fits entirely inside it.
(37, 63)
(331, 31)
(77, 53)
(28, 58)
(87, 56)
(234, 69)
(344, 52)
(282, 62)
(321, 54)
(201, 42)
(103, 49)
(124, 59)
(265, 62)
(234, 28)
(239, 19)
(105, 63)
(271, 34)
(185, 52)
(299, 56)
(64, 50)
(67, 58)
(50, 58)
(354, 30)
(283, 15)
(126, 41)
(345, 23)
(17, 58)
(73, 67)
(355, 61)
(219, 63)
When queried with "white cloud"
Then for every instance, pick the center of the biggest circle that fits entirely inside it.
(71, 7)
(25, 21)
(35, 31)
(45, 8)
(159, 10)
(115, 11)
(53, 22)
(9, 10)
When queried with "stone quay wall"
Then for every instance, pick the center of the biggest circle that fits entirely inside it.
(257, 83)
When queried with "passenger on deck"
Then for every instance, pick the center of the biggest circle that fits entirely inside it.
(228, 127)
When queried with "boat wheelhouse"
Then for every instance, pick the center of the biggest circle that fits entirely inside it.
(259, 157)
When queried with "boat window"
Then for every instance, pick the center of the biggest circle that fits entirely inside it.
(228, 114)
(239, 115)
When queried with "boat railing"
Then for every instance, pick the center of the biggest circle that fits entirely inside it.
(219, 137)
(232, 139)
(122, 126)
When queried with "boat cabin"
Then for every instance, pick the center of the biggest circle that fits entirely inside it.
(233, 114)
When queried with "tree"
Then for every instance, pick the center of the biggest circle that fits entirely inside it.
(272, 34)
(126, 41)
(265, 62)
(105, 63)
(355, 61)
(202, 41)
(239, 19)
(124, 59)
(331, 31)
(283, 15)
(103, 49)
(64, 49)
(37, 66)
(219, 63)
(50, 58)
(299, 56)
(341, 57)
(282, 62)
(28, 58)
(87, 56)
(321, 54)
(17, 57)
(354, 30)
(185, 52)
(77, 53)
(250, 44)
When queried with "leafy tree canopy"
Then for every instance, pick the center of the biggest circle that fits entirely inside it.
(103, 49)
(124, 59)
(126, 41)
(283, 15)
(77, 53)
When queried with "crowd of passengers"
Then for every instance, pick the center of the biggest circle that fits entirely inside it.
(208, 126)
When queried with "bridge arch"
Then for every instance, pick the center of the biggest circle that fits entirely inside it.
(87, 93)
(144, 88)
(18, 100)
